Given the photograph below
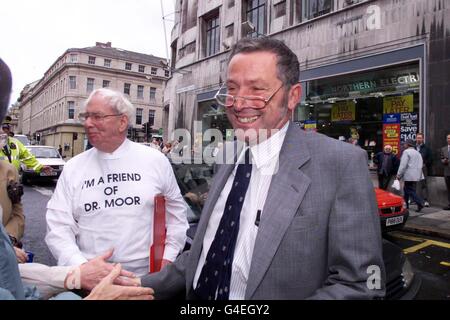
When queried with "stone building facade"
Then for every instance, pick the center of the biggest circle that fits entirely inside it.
(372, 70)
(49, 107)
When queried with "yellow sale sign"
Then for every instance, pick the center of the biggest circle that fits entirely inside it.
(401, 104)
(343, 111)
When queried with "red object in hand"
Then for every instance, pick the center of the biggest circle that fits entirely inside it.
(159, 234)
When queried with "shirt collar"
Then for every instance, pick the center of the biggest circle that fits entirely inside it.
(263, 153)
(116, 154)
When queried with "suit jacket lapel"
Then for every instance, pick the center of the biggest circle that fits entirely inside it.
(285, 195)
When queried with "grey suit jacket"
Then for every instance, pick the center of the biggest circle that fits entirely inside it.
(445, 155)
(319, 234)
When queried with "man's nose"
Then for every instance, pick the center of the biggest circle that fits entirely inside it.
(88, 123)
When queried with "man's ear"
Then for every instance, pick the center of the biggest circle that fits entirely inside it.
(295, 94)
(123, 125)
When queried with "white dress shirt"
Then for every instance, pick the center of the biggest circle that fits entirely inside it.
(265, 164)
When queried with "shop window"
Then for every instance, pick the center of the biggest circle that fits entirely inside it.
(372, 108)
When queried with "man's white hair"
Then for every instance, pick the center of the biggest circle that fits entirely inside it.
(115, 100)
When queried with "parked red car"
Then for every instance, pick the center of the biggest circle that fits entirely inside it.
(392, 210)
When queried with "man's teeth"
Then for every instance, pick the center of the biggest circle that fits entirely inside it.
(247, 120)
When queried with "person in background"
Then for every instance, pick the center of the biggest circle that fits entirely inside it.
(109, 203)
(427, 157)
(445, 156)
(60, 151)
(410, 171)
(16, 153)
(155, 144)
(387, 164)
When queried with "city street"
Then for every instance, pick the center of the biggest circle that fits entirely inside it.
(430, 257)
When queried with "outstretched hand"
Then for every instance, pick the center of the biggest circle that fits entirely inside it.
(93, 271)
(107, 290)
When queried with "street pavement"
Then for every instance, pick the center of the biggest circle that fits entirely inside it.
(431, 221)
(34, 203)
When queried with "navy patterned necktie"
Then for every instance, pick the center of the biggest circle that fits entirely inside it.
(216, 272)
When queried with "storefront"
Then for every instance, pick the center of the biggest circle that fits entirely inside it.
(371, 108)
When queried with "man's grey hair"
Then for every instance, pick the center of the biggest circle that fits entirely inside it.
(115, 100)
(287, 65)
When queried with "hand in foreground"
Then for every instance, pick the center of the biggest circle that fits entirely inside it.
(106, 290)
(93, 271)
(20, 255)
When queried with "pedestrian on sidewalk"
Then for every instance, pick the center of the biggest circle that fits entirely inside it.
(410, 171)
(425, 152)
(445, 155)
(387, 163)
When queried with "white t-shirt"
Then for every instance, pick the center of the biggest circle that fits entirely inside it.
(106, 200)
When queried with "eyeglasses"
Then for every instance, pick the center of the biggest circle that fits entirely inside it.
(254, 102)
(96, 117)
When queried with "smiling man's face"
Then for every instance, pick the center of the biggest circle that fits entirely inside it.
(255, 74)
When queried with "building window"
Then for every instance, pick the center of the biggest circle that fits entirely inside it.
(140, 92)
(126, 88)
(91, 60)
(229, 31)
(71, 106)
(90, 84)
(106, 83)
(154, 71)
(127, 66)
(316, 8)
(167, 73)
(107, 63)
(72, 82)
(152, 94)
(141, 68)
(138, 115)
(256, 14)
(212, 35)
(73, 58)
(279, 9)
(151, 117)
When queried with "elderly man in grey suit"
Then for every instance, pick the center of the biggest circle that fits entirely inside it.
(410, 170)
(445, 156)
(300, 221)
